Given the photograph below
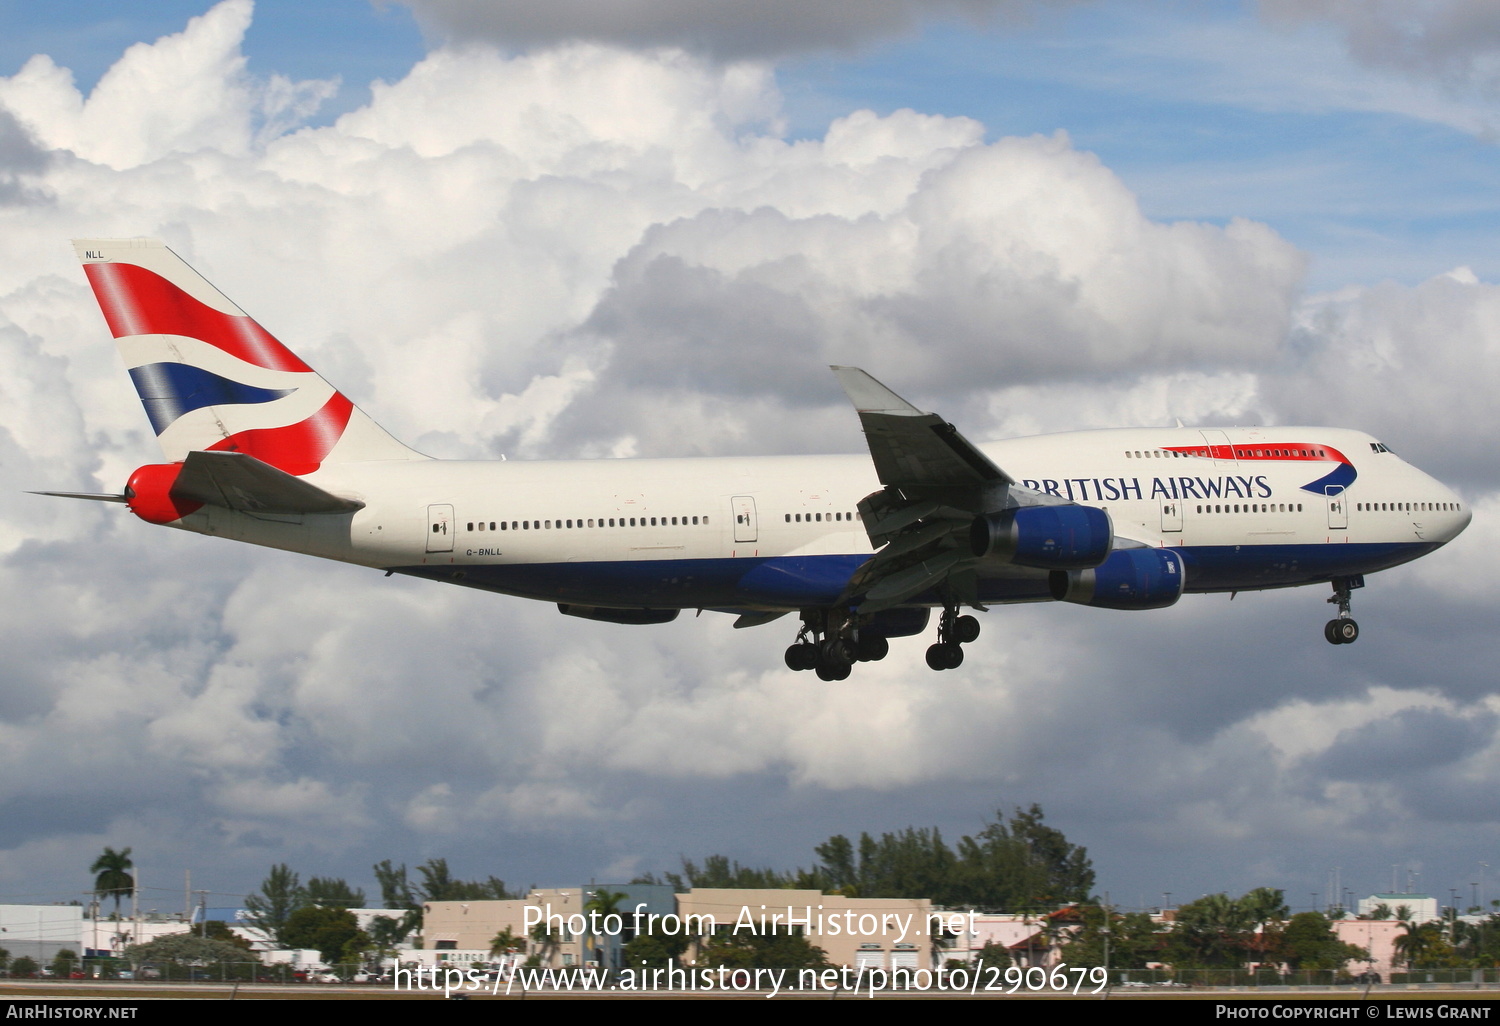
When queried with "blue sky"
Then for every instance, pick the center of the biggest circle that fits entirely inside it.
(235, 708)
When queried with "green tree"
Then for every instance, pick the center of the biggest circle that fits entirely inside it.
(601, 904)
(652, 950)
(396, 893)
(994, 954)
(184, 949)
(1309, 943)
(439, 884)
(64, 963)
(281, 893)
(23, 967)
(547, 942)
(385, 933)
(113, 878)
(328, 931)
(721, 871)
(1419, 943)
(777, 949)
(333, 893)
(1135, 939)
(505, 942)
(836, 857)
(1213, 932)
(1266, 909)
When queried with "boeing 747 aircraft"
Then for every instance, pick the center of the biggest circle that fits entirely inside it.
(260, 449)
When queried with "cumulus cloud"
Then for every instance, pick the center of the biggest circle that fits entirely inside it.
(771, 28)
(1386, 358)
(588, 251)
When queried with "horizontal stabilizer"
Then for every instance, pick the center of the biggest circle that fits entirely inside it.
(234, 480)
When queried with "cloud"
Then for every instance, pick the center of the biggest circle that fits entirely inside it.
(772, 28)
(591, 251)
(1386, 357)
(1455, 42)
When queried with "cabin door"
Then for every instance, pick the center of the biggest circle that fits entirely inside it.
(744, 518)
(440, 528)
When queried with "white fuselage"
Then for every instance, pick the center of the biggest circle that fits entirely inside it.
(685, 533)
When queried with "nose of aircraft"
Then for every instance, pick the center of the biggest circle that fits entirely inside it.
(1452, 516)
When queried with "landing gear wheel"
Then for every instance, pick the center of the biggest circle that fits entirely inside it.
(965, 629)
(802, 656)
(1343, 630)
(945, 656)
(836, 652)
(834, 671)
(873, 648)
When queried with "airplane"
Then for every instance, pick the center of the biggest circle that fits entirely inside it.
(259, 448)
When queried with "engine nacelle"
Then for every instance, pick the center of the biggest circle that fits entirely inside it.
(1128, 579)
(1045, 537)
(149, 494)
(608, 615)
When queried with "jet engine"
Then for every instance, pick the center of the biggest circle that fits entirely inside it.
(1044, 537)
(1128, 579)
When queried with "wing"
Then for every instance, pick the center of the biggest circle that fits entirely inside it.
(936, 482)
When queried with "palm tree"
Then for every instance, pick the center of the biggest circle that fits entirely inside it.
(1418, 942)
(547, 942)
(506, 942)
(114, 878)
(602, 904)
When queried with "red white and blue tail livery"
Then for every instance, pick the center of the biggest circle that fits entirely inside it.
(259, 448)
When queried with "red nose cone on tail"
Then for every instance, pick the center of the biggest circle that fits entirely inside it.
(148, 495)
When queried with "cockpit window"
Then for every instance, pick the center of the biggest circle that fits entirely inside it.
(1379, 447)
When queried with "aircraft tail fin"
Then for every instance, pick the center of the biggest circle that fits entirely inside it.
(213, 379)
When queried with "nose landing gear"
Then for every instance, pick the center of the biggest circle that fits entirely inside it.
(1342, 630)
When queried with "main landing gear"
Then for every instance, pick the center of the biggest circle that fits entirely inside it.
(832, 648)
(1343, 630)
(954, 632)
(831, 642)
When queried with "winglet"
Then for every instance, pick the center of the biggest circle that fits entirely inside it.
(870, 396)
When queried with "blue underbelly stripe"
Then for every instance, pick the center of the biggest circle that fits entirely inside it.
(804, 582)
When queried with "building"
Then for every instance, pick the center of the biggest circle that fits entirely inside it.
(39, 932)
(1422, 908)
